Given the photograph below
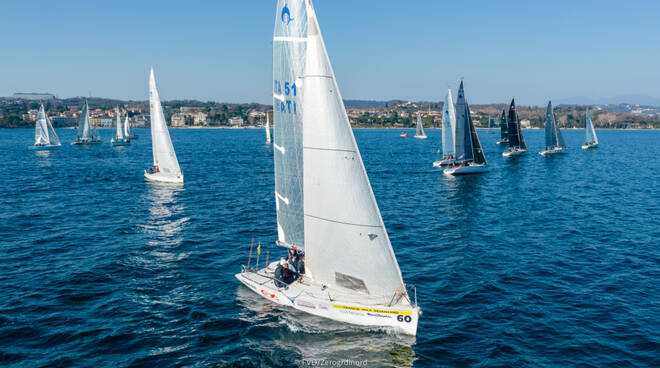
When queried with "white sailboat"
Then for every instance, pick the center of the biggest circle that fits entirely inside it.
(87, 135)
(470, 158)
(448, 128)
(592, 140)
(420, 134)
(127, 130)
(120, 139)
(554, 141)
(268, 138)
(324, 201)
(516, 141)
(165, 167)
(45, 137)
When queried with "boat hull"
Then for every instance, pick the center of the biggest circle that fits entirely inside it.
(85, 143)
(44, 148)
(446, 162)
(502, 142)
(553, 152)
(420, 137)
(588, 146)
(309, 297)
(120, 143)
(161, 178)
(514, 153)
(466, 170)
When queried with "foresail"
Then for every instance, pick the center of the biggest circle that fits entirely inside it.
(420, 126)
(477, 151)
(289, 45)
(463, 136)
(161, 144)
(560, 137)
(448, 125)
(83, 124)
(503, 126)
(550, 138)
(513, 127)
(119, 131)
(52, 136)
(591, 132)
(346, 244)
(126, 129)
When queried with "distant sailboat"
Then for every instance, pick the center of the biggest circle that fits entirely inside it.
(268, 139)
(420, 134)
(323, 198)
(87, 134)
(504, 130)
(448, 128)
(45, 137)
(119, 138)
(127, 130)
(554, 141)
(516, 141)
(470, 158)
(166, 166)
(592, 140)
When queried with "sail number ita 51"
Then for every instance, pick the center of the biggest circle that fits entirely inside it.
(285, 93)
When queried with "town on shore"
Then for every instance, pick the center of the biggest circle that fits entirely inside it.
(20, 111)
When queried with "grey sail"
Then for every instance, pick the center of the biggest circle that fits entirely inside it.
(420, 126)
(477, 150)
(463, 135)
(553, 137)
(514, 132)
(289, 45)
(503, 126)
(590, 131)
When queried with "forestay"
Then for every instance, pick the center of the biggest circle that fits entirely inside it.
(289, 45)
(161, 144)
(448, 125)
(346, 244)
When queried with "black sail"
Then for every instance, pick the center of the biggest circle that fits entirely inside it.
(503, 126)
(514, 132)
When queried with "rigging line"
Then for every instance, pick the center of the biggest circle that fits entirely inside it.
(341, 222)
(329, 149)
(317, 76)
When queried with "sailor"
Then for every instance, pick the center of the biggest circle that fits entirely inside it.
(300, 265)
(283, 276)
(293, 252)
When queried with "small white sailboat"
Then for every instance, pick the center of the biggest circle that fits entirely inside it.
(45, 137)
(592, 140)
(554, 141)
(470, 158)
(516, 141)
(448, 128)
(268, 138)
(324, 202)
(119, 138)
(87, 135)
(504, 130)
(127, 130)
(166, 166)
(420, 134)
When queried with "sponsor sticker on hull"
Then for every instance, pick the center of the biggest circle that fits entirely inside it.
(372, 310)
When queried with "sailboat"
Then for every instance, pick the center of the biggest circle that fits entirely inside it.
(166, 167)
(504, 130)
(45, 137)
(516, 141)
(127, 130)
(554, 141)
(324, 201)
(119, 139)
(87, 134)
(469, 155)
(419, 134)
(268, 139)
(592, 140)
(448, 127)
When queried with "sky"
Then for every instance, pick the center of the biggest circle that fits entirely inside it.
(412, 50)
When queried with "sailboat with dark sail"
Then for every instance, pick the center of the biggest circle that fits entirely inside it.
(592, 140)
(554, 141)
(469, 156)
(516, 143)
(504, 130)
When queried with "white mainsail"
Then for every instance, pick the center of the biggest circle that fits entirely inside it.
(268, 139)
(84, 131)
(127, 130)
(119, 135)
(346, 244)
(591, 132)
(41, 128)
(420, 126)
(161, 144)
(448, 125)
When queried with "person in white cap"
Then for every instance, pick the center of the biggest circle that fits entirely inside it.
(283, 276)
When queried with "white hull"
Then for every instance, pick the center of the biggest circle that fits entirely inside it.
(552, 151)
(446, 162)
(120, 142)
(310, 297)
(514, 153)
(465, 170)
(420, 137)
(160, 177)
(45, 148)
(587, 146)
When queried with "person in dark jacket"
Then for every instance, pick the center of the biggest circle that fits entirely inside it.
(283, 276)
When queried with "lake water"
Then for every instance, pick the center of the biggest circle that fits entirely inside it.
(543, 262)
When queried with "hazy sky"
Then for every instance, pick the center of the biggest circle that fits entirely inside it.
(221, 50)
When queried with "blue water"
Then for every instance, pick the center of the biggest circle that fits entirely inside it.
(543, 262)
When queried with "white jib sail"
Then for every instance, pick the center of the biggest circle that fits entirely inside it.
(448, 125)
(83, 125)
(267, 128)
(346, 244)
(161, 144)
(41, 128)
(52, 136)
(591, 132)
(120, 133)
(127, 130)
(420, 126)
